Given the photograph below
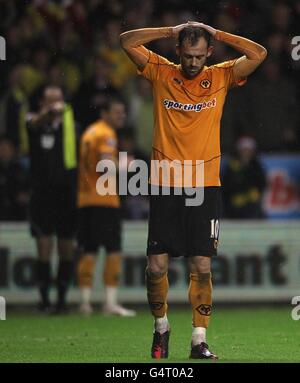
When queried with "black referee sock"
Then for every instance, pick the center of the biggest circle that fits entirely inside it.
(64, 277)
(44, 281)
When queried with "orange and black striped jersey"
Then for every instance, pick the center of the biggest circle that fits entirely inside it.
(187, 113)
(99, 139)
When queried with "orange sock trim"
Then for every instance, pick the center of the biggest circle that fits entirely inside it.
(85, 271)
(200, 297)
(157, 291)
(112, 270)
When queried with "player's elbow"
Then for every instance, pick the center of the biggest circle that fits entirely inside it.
(123, 40)
(263, 54)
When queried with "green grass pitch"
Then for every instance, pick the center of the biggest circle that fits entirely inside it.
(235, 335)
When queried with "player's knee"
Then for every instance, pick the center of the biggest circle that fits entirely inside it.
(157, 266)
(85, 271)
(201, 266)
(156, 269)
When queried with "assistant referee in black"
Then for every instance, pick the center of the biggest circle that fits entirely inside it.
(52, 134)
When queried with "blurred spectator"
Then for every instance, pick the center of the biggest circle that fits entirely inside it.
(139, 14)
(273, 107)
(93, 93)
(281, 17)
(243, 182)
(79, 16)
(14, 184)
(7, 13)
(15, 105)
(100, 11)
(121, 70)
(35, 73)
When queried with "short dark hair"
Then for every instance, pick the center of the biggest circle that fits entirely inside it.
(192, 35)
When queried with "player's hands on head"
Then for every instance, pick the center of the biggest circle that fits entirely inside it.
(208, 28)
(178, 28)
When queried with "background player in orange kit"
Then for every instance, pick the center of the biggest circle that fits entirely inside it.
(99, 215)
(188, 104)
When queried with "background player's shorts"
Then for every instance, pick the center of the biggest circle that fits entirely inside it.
(53, 212)
(99, 226)
(181, 230)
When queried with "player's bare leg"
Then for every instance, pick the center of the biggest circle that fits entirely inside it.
(44, 249)
(111, 278)
(157, 290)
(200, 296)
(85, 273)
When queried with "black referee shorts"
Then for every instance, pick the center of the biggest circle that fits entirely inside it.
(181, 230)
(99, 226)
(53, 211)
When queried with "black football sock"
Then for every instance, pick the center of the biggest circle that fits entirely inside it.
(44, 281)
(64, 277)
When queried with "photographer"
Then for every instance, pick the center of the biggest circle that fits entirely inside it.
(52, 134)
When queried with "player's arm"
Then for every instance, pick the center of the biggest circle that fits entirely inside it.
(254, 54)
(133, 41)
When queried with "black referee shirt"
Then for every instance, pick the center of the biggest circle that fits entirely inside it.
(47, 157)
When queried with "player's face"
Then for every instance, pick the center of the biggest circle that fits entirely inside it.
(117, 115)
(193, 58)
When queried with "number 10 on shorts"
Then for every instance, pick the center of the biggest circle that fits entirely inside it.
(214, 228)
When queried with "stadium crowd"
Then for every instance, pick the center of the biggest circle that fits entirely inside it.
(74, 44)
